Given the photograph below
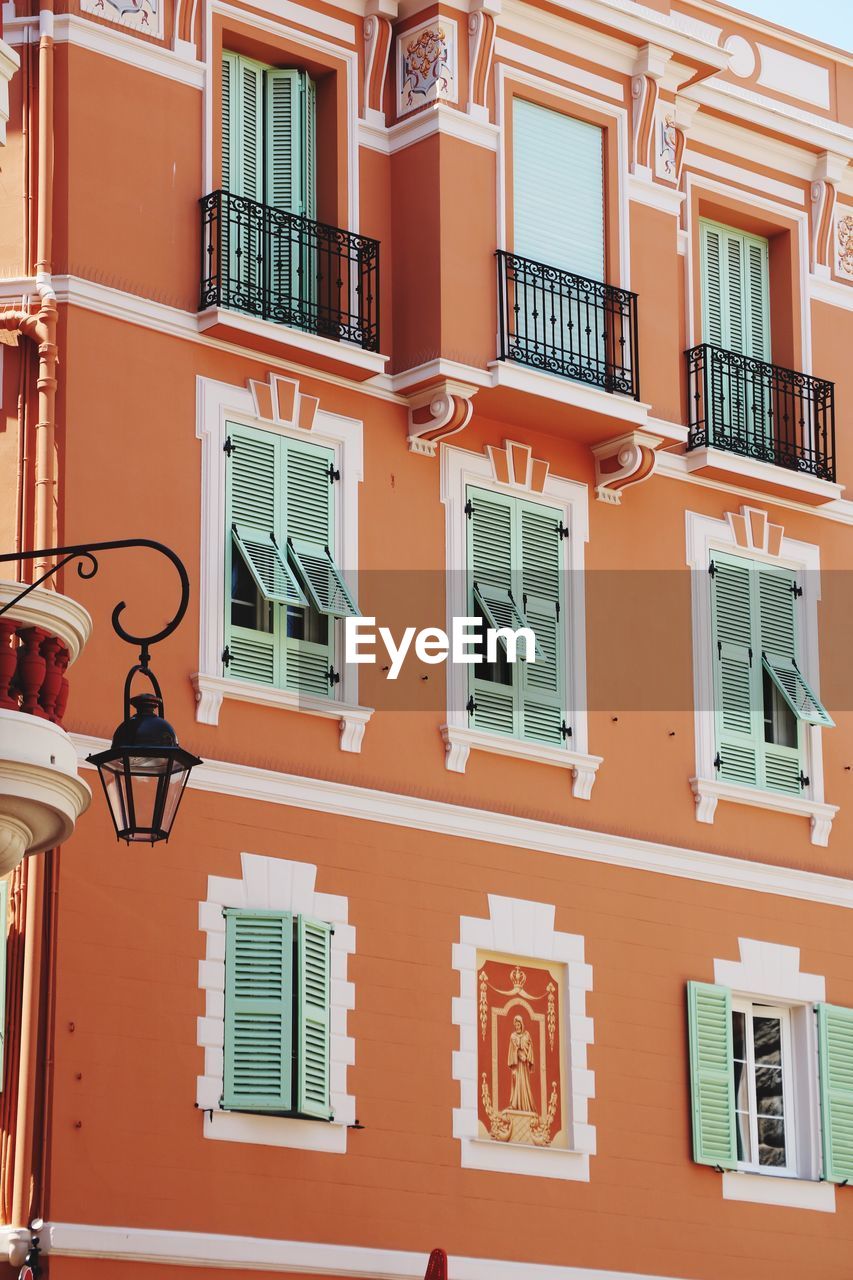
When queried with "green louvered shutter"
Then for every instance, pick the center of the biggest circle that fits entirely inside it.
(710, 258)
(314, 950)
(490, 535)
(543, 697)
(254, 504)
(290, 186)
(835, 1051)
(258, 1011)
(777, 609)
(709, 1018)
(738, 701)
(242, 126)
(558, 190)
(309, 520)
(4, 942)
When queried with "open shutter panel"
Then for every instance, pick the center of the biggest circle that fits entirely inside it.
(710, 257)
(4, 942)
(285, 152)
(313, 1017)
(757, 297)
(254, 508)
(733, 271)
(500, 611)
(309, 519)
(738, 704)
(778, 629)
(709, 1018)
(835, 1048)
(310, 168)
(542, 682)
(229, 61)
(258, 1010)
(242, 126)
(323, 579)
(271, 572)
(490, 565)
(797, 691)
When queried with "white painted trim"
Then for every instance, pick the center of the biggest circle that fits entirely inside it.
(749, 469)
(621, 409)
(268, 786)
(655, 195)
(785, 1193)
(274, 884)
(438, 118)
(508, 51)
(524, 929)
(692, 180)
(770, 971)
(211, 690)
(696, 159)
(253, 1253)
(674, 466)
(371, 362)
(69, 28)
(619, 115)
(835, 293)
(217, 404)
(704, 535)
(772, 114)
(460, 740)
(9, 64)
(459, 468)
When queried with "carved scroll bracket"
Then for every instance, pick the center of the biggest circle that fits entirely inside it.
(828, 173)
(625, 461)
(438, 411)
(649, 70)
(481, 48)
(379, 16)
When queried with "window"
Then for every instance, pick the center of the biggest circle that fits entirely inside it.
(735, 290)
(277, 1027)
(558, 189)
(748, 1102)
(762, 699)
(515, 579)
(284, 590)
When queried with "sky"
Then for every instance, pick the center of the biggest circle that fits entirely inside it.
(829, 20)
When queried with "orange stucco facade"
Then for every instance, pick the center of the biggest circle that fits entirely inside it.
(647, 870)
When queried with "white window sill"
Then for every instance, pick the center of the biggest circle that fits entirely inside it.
(276, 1131)
(210, 691)
(459, 741)
(708, 791)
(786, 1193)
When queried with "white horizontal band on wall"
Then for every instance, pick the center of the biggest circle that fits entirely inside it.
(250, 1253)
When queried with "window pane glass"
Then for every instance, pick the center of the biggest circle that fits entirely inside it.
(738, 1036)
(771, 1142)
(248, 607)
(780, 723)
(768, 1091)
(307, 624)
(767, 1041)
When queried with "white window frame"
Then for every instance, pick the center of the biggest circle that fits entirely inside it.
(769, 974)
(221, 403)
(704, 536)
(752, 1008)
(274, 884)
(459, 469)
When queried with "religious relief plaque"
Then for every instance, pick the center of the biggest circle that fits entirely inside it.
(520, 1055)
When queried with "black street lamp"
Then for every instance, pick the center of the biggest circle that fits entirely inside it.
(144, 772)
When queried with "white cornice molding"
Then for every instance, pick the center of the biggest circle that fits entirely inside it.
(485, 825)
(440, 118)
(655, 195)
(770, 113)
(68, 28)
(835, 293)
(674, 32)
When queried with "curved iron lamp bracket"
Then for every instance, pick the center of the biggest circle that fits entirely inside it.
(87, 567)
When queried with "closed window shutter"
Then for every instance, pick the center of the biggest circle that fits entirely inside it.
(738, 701)
(242, 126)
(490, 566)
(4, 942)
(313, 949)
(709, 1018)
(228, 76)
(777, 608)
(258, 1011)
(835, 1051)
(757, 295)
(254, 507)
(713, 304)
(309, 522)
(558, 190)
(543, 681)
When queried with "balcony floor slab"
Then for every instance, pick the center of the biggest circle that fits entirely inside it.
(309, 349)
(765, 477)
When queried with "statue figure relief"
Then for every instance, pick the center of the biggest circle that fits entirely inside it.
(521, 1063)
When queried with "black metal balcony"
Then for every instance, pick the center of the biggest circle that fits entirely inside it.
(565, 324)
(289, 269)
(761, 411)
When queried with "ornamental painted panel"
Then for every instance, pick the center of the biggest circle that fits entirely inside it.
(665, 144)
(844, 241)
(139, 15)
(520, 1051)
(426, 65)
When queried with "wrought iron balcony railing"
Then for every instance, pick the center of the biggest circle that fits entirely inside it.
(761, 411)
(289, 269)
(565, 324)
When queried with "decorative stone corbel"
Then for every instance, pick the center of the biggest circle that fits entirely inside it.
(828, 173)
(438, 411)
(649, 70)
(627, 460)
(481, 48)
(379, 16)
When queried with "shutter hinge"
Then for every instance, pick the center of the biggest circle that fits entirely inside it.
(718, 762)
(562, 531)
(565, 731)
(749, 651)
(229, 446)
(719, 650)
(795, 590)
(470, 705)
(804, 781)
(469, 509)
(557, 610)
(333, 677)
(226, 657)
(712, 569)
(333, 473)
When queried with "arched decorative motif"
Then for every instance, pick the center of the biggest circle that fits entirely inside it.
(753, 531)
(515, 465)
(279, 400)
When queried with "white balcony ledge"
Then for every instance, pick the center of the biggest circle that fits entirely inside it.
(310, 349)
(765, 477)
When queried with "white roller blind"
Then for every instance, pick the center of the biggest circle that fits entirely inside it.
(558, 190)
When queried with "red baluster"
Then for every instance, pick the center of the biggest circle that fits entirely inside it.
(8, 662)
(52, 682)
(31, 669)
(62, 659)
